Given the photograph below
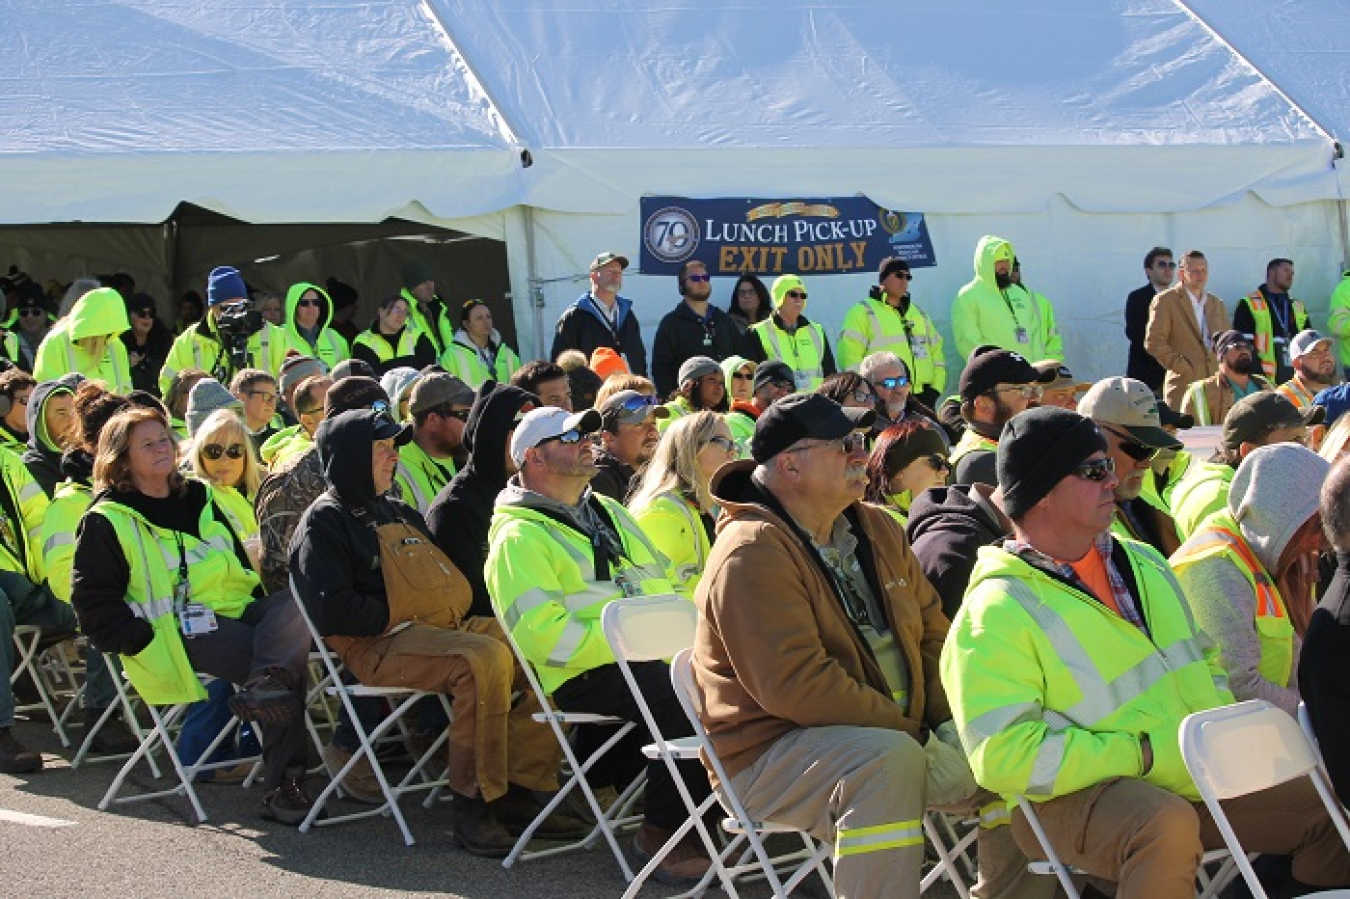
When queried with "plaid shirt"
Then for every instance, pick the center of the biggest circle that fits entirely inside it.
(1129, 609)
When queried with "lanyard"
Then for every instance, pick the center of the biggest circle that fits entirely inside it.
(1011, 311)
(181, 589)
(1283, 320)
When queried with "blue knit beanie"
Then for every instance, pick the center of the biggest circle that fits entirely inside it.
(225, 284)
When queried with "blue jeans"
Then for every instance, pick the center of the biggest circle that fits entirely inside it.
(205, 719)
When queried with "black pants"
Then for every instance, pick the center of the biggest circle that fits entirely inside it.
(270, 634)
(603, 691)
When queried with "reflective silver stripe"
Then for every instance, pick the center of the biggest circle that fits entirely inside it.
(65, 538)
(28, 491)
(855, 335)
(406, 474)
(155, 608)
(561, 657)
(771, 332)
(1049, 758)
(136, 528)
(861, 840)
(995, 814)
(995, 721)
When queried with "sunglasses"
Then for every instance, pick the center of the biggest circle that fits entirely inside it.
(214, 451)
(380, 406)
(743, 376)
(569, 438)
(1161, 264)
(267, 397)
(1097, 470)
(32, 312)
(144, 313)
(725, 443)
(635, 404)
(1139, 452)
(457, 414)
(938, 463)
(698, 279)
(795, 294)
(903, 276)
(305, 304)
(892, 383)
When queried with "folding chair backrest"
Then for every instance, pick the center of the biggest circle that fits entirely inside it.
(647, 628)
(1239, 749)
(691, 700)
(331, 663)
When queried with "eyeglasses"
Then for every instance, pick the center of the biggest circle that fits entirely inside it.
(743, 376)
(32, 312)
(796, 294)
(725, 443)
(698, 279)
(865, 396)
(457, 414)
(305, 304)
(143, 313)
(938, 463)
(1096, 470)
(267, 397)
(892, 383)
(214, 451)
(847, 444)
(1028, 391)
(1139, 452)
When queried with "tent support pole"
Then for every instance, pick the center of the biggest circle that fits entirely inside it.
(536, 295)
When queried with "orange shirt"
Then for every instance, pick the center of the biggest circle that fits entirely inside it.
(1091, 570)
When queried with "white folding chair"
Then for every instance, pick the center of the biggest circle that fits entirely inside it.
(1239, 749)
(125, 701)
(160, 738)
(401, 701)
(27, 659)
(607, 820)
(812, 858)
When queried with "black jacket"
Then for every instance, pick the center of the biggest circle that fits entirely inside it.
(946, 528)
(43, 462)
(460, 515)
(614, 478)
(1322, 680)
(100, 572)
(158, 343)
(335, 557)
(683, 335)
(1141, 366)
(580, 327)
(424, 352)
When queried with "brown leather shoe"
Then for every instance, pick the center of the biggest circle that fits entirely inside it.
(683, 866)
(477, 830)
(360, 783)
(15, 758)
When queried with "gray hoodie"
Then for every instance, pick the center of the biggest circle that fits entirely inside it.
(1275, 490)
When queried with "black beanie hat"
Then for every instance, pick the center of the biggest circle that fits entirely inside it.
(1038, 449)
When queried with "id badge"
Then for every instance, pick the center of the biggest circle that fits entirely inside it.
(920, 350)
(1282, 352)
(707, 341)
(196, 619)
(802, 380)
(1021, 335)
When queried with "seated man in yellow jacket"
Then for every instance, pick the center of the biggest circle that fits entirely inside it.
(1033, 668)
(1209, 399)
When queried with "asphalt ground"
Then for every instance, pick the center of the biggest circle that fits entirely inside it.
(57, 843)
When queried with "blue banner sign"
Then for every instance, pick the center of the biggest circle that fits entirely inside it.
(772, 237)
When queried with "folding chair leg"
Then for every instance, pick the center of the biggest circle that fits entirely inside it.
(28, 641)
(158, 736)
(946, 866)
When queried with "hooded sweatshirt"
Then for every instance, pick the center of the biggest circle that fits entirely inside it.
(461, 514)
(328, 346)
(335, 558)
(99, 313)
(946, 527)
(1275, 490)
(43, 456)
(984, 313)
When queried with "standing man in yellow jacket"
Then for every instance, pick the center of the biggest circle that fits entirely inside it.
(1033, 669)
(1273, 317)
(890, 320)
(994, 309)
(1338, 320)
(426, 309)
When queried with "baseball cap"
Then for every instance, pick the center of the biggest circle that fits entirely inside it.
(1305, 342)
(989, 366)
(696, 367)
(548, 422)
(802, 416)
(608, 257)
(1171, 418)
(1254, 416)
(1129, 405)
(1061, 377)
(769, 372)
(386, 428)
(1225, 340)
(439, 389)
(628, 407)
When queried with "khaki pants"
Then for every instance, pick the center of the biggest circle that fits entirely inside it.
(861, 788)
(491, 741)
(1149, 840)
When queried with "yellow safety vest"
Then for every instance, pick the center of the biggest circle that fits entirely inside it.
(803, 352)
(971, 442)
(873, 326)
(1265, 332)
(383, 350)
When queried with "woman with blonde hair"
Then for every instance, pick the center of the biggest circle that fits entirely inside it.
(672, 502)
(83, 342)
(222, 455)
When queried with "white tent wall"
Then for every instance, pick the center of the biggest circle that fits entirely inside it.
(1085, 263)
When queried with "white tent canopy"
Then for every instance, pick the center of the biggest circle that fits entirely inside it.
(1085, 133)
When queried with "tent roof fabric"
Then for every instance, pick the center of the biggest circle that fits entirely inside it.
(357, 110)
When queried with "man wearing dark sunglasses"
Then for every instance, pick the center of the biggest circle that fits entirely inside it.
(1127, 414)
(439, 406)
(1160, 269)
(888, 320)
(627, 438)
(694, 327)
(1033, 667)
(1238, 376)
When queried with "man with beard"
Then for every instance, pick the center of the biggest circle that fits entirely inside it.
(992, 308)
(891, 380)
(996, 384)
(1273, 317)
(692, 328)
(628, 437)
(1127, 414)
(1210, 399)
(439, 408)
(1314, 368)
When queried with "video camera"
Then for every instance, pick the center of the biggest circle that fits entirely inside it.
(236, 324)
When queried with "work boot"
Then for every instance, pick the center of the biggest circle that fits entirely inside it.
(683, 866)
(113, 738)
(518, 809)
(288, 803)
(360, 783)
(268, 698)
(477, 830)
(15, 758)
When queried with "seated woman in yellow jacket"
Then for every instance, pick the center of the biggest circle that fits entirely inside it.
(672, 503)
(83, 342)
(222, 455)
